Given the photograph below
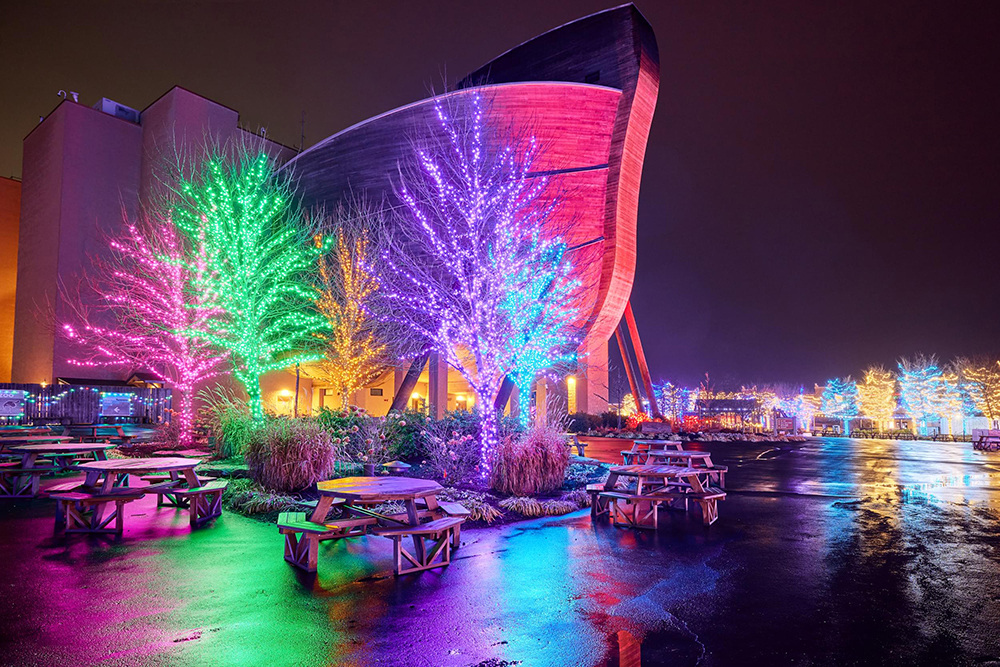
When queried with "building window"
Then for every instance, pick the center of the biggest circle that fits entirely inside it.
(375, 391)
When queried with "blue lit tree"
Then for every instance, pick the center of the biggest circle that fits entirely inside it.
(840, 400)
(547, 337)
(926, 392)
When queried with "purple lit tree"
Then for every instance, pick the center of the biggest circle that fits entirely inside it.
(469, 238)
(145, 285)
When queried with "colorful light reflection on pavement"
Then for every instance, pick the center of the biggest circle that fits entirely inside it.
(835, 552)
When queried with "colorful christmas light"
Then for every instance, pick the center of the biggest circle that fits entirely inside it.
(840, 400)
(877, 395)
(354, 357)
(145, 285)
(471, 239)
(238, 214)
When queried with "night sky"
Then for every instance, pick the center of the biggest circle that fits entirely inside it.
(820, 188)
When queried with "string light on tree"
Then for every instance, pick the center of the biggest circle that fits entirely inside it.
(470, 236)
(353, 355)
(145, 286)
(877, 395)
(238, 214)
(840, 400)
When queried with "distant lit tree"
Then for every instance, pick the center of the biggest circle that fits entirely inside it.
(840, 400)
(877, 395)
(926, 391)
(982, 377)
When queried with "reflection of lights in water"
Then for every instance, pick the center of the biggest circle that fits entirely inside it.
(924, 490)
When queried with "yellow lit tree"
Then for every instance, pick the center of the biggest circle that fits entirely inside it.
(982, 377)
(354, 356)
(877, 395)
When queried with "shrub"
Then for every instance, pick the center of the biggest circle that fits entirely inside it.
(530, 463)
(524, 506)
(290, 454)
(452, 454)
(578, 497)
(408, 441)
(166, 435)
(227, 419)
(372, 439)
(581, 422)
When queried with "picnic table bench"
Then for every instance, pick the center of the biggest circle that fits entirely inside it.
(656, 485)
(438, 555)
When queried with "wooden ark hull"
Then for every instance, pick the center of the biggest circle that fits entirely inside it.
(588, 90)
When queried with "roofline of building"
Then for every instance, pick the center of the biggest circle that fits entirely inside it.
(461, 91)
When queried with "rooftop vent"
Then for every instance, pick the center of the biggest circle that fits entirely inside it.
(112, 108)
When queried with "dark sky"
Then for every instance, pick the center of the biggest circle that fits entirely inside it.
(820, 188)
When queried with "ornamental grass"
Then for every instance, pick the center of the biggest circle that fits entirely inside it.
(529, 507)
(530, 463)
(290, 454)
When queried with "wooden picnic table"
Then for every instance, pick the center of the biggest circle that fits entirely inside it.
(119, 432)
(356, 492)
(113, 469)
(61, 452)
(655, 482)
(25, 431)
(658, 475)
(7, 444)
(650, 444)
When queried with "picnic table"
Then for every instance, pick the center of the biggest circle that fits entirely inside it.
(641, 448)
(690, 459)
(7, 444)
(22, 479)
(656, 484)
(205, 500)
(118, 431)
(62, 453)
(356, 498)
(23, 431)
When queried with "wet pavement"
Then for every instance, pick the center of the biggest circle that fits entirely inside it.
(835, 552)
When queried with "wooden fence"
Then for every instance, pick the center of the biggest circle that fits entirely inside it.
(81, 404)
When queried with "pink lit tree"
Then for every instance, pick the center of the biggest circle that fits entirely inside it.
(468, 270)
(145, 286)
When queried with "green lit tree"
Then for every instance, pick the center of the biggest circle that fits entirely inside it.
(239, 215)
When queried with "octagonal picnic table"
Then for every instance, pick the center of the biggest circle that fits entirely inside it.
(7, 444)
(61, 452)
(356, 492)
(113, 469)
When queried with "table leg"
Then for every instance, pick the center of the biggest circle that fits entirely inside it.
(609, 483)
(322, 509)
(100, 455)
(414, 518)
(192, 478)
